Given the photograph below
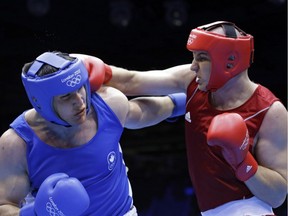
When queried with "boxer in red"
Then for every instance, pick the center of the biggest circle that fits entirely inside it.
(236, 129)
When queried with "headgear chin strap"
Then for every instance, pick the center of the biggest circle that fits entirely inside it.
(42, 89)
(230, 54)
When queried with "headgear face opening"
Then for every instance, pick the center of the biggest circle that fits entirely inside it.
(230, 54)
(42, 89)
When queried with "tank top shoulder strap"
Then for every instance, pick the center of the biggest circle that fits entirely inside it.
(21, 127)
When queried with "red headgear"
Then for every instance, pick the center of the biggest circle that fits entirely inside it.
(230, 54)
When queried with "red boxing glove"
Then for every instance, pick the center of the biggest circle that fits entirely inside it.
(229, 131)
(99, 72)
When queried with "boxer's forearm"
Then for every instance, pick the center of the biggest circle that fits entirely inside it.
(9, 210)
(269, 186)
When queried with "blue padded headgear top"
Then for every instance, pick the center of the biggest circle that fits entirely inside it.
(41, 90)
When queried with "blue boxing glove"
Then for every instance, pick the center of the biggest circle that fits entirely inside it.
(59, 194)
(179, 100)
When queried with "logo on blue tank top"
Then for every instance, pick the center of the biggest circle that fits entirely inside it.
(111, 159)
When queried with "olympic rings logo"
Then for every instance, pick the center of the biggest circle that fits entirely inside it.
(74, 81)
(51, 210)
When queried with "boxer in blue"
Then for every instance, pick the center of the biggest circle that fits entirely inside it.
(63, 156)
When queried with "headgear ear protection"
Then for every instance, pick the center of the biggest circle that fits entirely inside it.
(230, 54)
(42, 89)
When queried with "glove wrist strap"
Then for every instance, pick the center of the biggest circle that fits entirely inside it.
(247, 168)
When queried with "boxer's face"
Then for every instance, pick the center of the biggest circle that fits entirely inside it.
(201, 65)
(71, 107)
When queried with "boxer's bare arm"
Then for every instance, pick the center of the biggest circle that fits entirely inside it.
(270, 181)
(152, 82)
(14, 183)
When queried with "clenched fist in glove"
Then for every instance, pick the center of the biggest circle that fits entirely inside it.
(99, 72)
(229, 131)
(59, 195)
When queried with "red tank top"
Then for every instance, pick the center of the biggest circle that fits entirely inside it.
(212, 177)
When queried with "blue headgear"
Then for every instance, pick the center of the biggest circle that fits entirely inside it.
(41, 89)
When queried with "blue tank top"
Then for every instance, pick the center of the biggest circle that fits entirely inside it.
(98, 164)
